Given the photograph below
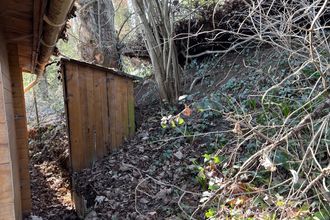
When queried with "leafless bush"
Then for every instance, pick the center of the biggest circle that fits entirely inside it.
(301, 30)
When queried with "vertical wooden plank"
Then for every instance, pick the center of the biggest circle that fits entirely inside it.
(4, 140)
(119, 129)
(106, 111)
(99, 144)
(124, 109)
(17, 129)
(118, 110)
(121, 111)
(74, 116)
(131, 108)
(91, 139)
(108, 101)
(21, 130)
(7, 211)
(4, 151)
(105, 114)
(86, 128)
(7, 206)
(72, 97)
(100, 111)
(113, 109)
(10, 192)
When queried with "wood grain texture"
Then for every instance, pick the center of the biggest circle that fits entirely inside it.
(10, 201)
(131, 108)
(99, 112)
(124, 109)
(113, 111)
(74, 117)
(118, 111)
(6, 190)
(84, 155)
(97, 101)
(18, 99)
(105, 113)
(7, 211)
(91, 138)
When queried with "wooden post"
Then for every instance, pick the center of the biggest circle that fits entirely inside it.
(20, 127)
(10, 196)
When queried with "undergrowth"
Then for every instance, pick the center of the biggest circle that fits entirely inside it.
(264, 165)
(274, 164)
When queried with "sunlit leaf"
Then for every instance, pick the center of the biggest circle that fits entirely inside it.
(216, 160)
(164, 125)
(213, 187)
(210, 213)
(180, 121)
(207, 157)
(173, 124)
(187, 111)
(280, 203)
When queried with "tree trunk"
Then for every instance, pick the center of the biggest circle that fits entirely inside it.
(43, 86)
(98, 34)
(158, 29)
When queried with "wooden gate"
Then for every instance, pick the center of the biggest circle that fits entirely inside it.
(99, 108)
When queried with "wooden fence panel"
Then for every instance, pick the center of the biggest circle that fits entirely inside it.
(100, 111)
(97, 101)
(131, 110)
(112, 100)
(90, 117)
(75, 125)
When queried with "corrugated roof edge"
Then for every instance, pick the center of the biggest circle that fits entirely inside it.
(102, 68)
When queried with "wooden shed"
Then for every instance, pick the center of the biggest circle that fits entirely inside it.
(100, 110)
(99, 104)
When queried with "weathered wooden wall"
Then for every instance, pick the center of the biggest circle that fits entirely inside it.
(8, 160)
(13, 152)
(99, 108)
(20, 127)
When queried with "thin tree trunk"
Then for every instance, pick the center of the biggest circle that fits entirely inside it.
(158, 29)
(36, 107)
(43, 85)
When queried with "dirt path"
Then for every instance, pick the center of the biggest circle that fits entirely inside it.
(50, 185)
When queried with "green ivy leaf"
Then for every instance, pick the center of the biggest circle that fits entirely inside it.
(164, 125)
(180, 121)
(207, 157)
(210, 213)
(280, 203)
(173, 124)
(216, 160)
(213, 187)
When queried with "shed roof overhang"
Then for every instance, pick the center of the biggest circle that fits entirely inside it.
(23, 23)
